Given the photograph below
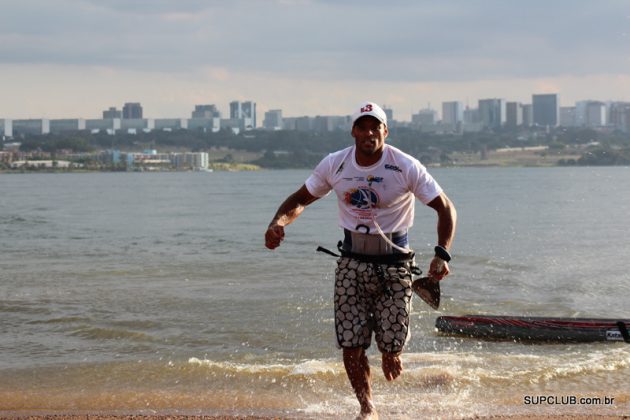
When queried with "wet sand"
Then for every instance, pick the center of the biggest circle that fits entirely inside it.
(97, 416)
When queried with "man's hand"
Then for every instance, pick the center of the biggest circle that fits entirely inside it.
(438, 268)
(289, 210)
(274, 235)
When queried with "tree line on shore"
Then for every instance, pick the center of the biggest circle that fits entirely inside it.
(300, 149)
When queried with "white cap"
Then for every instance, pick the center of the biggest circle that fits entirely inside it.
(371, 109)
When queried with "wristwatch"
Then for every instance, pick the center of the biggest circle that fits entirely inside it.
(442, 253)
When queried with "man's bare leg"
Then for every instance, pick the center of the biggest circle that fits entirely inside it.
(392, 365)
(358, 369)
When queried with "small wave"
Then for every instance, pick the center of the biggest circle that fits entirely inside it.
(20, 220)
(101, 333)
(315, 367)
(309, 368)
(589, 364)
(511, 368)
(23, 307)
(61, 320)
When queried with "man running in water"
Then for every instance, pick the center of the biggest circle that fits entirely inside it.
(376, 185)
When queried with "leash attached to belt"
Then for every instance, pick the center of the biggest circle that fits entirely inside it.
(389, 259)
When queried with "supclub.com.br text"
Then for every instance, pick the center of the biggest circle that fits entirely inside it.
(566, 400)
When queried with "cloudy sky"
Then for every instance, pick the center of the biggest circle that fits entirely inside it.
(74, 58)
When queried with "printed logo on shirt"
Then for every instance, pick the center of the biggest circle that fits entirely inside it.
(372, 178)
(393, 168)
(362, 198)
(340, 169)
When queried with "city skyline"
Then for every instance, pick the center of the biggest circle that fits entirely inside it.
(74, 58)
(233, 110)
(491, 113)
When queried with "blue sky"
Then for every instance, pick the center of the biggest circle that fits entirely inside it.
(74, 58)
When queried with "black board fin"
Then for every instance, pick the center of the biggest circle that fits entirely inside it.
(624, 331)
(428, 289)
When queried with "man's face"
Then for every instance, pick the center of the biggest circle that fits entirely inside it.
(369, 135)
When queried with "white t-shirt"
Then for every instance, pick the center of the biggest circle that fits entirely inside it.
(384, 191)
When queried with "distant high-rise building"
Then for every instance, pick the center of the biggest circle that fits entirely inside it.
(112, 113)
(235, 110)
(424, 117)
(389, 113)
(6, 127)
(513, 114)
(492, 112)
(304, 123)
(546, 109)
(205, 111)
(620, 116)
(528, 115)
(567, 116)
(452, 112)
(595, 115)
(248, 109)
(273, 119)
(245, 111)
(471, 116)
(132, 111)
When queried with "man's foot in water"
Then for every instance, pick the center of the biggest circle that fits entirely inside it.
(368, 413)
(392, 366)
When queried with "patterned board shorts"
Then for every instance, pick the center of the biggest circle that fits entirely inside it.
(372, 298)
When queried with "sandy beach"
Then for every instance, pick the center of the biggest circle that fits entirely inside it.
(106, 416)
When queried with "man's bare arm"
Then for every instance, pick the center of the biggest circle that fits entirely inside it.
(447, 219)
(446, 225)
(288, 211)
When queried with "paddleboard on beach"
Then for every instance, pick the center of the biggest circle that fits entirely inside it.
(535, 329)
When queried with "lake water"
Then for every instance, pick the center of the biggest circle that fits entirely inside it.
(147, 292)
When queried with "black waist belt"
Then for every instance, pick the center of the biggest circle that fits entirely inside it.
(389, 259)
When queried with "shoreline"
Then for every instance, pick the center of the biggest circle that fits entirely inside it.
(474, 165)
(176, 415)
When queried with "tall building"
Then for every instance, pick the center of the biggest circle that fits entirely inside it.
(595, 115)
(492, 112)
(424, 117)
(389, 113)
(132, 111)
(206, 111)
(452, 112)
(513, 114)
(273, 119)
(528, 115)
(471, 115)
(245, 111)
(620, 116)
(112, 113)
(567, 116)
(6, 127)
(546, 109)
(248, 109)
(235, 110)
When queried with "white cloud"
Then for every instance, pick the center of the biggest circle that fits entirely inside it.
(264, 49)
